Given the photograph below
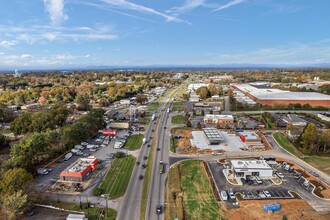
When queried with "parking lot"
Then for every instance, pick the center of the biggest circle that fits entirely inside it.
(292, 182)
(102, 153)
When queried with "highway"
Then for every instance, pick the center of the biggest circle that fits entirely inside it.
(157, 182)
(130, 208)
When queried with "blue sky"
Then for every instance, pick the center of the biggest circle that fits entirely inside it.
(79, 33)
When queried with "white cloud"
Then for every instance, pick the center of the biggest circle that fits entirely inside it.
(64, 57)
(187, 6)
(26, 56)
(51, 35)
(87, 56)
(229, 4)
(43, 34)
(6, 43)
(55, 8)
(140, 8)
(2, 53)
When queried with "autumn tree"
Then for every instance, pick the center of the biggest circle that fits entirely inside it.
(188, 123)
(309, 138)
(82, 102)
(203, 92)
(13, 204)
(325, 140)
(141, 99)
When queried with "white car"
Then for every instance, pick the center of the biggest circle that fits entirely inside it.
(267, 193)
(216, 153)
(280, 175)
(92, 149)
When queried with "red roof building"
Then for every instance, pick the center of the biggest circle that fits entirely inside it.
(80, 170)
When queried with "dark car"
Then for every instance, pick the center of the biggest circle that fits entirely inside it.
(145, 157)
(159, 209)
(141, 177)
(158, 149)
(144, 166)
(164, 127)
(137, 163)
(30, 213)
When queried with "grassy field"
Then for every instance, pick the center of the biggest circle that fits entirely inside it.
(153, 106)
(174, 144)
(196, 198)
(178, 119)
(93, 213)
(287, 145)
(321, 163)
(178, 106)
(144, 121)
(116, 181)
(133, 142)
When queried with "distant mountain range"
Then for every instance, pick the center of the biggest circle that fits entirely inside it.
(228, 66)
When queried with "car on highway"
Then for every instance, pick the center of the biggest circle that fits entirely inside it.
(216, 153)
(137, 162)
(145, 157)
(141, 177)
(158, 149)
(144, 166)
(313, 173)
(164, 127)
(159, 209)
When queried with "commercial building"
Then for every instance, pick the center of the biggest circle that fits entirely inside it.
(213, 136)
(324, 116)
(244, 168)
(194, 86)
(250, 138)
(294, 120)
(272, 97)
(80, 170)
(218, 119)
(194, 98)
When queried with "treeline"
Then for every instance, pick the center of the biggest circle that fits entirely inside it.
(40, 147)
(312, 142)
(28, 122)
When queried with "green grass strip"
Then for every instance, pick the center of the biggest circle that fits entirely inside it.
(133, 142)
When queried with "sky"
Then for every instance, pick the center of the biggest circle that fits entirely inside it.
(83, 33)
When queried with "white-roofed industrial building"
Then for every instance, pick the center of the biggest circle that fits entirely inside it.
(272, 97)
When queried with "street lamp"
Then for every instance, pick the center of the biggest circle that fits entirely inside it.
(80, 202)
(58, 197)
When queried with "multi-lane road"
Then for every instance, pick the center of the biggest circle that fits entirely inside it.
(157, 182)
(130, 208)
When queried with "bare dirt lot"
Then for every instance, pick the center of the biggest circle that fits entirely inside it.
(292, 209)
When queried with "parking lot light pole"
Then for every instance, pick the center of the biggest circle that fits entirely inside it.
(58, 197)
(80, 202)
